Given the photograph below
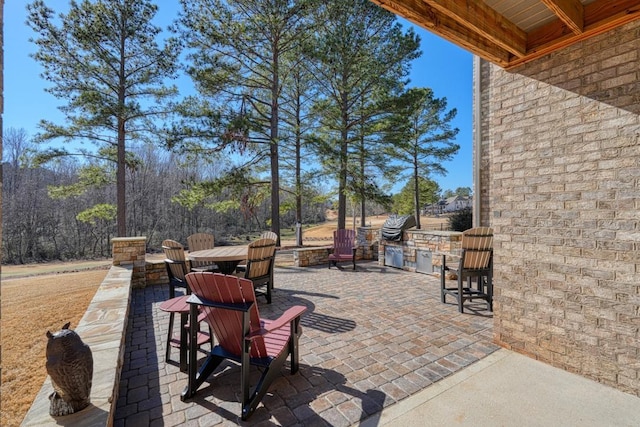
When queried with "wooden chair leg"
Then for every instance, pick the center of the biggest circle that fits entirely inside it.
(268, 295)
(460, 293)
(443, 271)
(293, 345)
(167, 357)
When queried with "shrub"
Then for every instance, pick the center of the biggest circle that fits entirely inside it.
(461, 220)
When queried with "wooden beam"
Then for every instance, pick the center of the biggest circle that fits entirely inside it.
(599, 17)
(426, 17)
(474, 26)
(608, 12)
(482, 19)
(570, 12)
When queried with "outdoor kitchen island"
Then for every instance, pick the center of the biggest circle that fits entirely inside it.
(416, 250)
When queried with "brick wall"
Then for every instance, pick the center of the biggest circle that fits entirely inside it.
(563, 143)
(482, 187)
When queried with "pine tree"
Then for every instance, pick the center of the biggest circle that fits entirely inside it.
(103, 58)
(239, 53)
(419, 135)
(360, 55)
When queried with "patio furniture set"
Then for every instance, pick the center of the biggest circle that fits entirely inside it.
(221, 293)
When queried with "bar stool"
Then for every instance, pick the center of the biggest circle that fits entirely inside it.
(179, 305)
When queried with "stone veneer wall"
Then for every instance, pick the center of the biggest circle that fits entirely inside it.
(156, 273)
(429, 240)
(305, 257)
(564, 173)
(366, 241)
(131, 251)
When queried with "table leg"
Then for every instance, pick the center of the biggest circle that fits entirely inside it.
(227, 267)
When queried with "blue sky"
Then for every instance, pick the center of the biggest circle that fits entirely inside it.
(444, 67)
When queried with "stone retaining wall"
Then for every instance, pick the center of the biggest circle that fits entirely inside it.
(366, 241)
(131, 251)
(156, 273)
(305, 257)
(103, 329)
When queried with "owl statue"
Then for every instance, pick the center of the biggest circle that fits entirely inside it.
(70, 366)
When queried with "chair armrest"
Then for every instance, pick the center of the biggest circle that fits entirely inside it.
(285, 319)
(289, 315)
(195, 299)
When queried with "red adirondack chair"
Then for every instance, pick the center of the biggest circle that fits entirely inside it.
(344, 248)
(229, 306)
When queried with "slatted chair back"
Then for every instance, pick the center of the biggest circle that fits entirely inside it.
(259, 269)
(269, 235)
(344, 248)
(226, 324)
(260, 258)
(477, 246)
(176, 264)
(174, 251)
(200, 242)
(343, 241)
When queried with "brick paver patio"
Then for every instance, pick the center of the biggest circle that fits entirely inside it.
(371, 337)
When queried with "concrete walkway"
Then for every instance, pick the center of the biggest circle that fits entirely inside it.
(509, 389)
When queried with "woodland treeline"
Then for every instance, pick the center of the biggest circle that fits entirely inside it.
(40, 224)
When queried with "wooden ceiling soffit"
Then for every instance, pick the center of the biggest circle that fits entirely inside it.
(599, 17)
(443, 25)
(570, 12)
(483, 20)
(484, 32)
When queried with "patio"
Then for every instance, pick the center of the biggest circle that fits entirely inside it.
(371, 338)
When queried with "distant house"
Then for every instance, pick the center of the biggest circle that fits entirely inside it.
(451, 204)
(456, 203)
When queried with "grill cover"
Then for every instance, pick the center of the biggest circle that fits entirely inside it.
(394, 226)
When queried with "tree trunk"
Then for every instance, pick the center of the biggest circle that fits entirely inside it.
(416, 198)
(342, 176)
(362, 179)
(121, 188)
(121, 213)
(298, 173)
(273, 151)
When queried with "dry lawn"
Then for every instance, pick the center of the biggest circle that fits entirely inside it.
(31, 306)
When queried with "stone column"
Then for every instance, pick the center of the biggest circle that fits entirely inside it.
(131, 250)
(367, 240)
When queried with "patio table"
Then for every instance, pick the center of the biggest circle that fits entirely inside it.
(226, 257)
